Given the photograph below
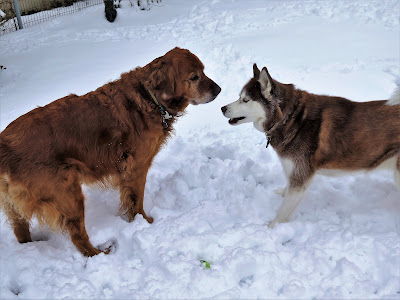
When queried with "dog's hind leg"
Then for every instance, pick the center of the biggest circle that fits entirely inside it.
(19, 224)
(75, 224)
(70, 209)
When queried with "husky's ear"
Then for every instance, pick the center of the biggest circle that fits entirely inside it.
(267, 85)
(256, 71)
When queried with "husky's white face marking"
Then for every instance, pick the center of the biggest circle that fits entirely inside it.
(245, 110)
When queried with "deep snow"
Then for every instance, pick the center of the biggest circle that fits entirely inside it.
(210, 190)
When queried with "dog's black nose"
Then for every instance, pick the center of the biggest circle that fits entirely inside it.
(223, 109)
(217, 90)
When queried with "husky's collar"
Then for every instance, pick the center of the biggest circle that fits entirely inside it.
(268, 133)
(164, 113)
(268, 136)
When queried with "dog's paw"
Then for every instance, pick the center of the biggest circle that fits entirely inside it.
(277, 220)
(149, 219)
(280, 192)
(271, 224)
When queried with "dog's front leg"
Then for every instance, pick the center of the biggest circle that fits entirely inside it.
(299, 178)
(287, 166)
(132, 184)
(291, 200)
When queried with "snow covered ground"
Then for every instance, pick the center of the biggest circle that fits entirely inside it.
(210, 189)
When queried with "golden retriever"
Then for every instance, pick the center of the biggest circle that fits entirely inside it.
(108, 136)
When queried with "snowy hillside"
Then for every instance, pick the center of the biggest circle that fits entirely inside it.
(210, 190)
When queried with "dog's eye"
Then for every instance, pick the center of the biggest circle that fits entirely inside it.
(245, 100)
(194, 77)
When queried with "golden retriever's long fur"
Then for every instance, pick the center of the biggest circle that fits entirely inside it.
(110, 134)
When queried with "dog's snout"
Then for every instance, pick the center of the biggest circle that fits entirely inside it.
(224, 109)
(214, 88)
(217, 90)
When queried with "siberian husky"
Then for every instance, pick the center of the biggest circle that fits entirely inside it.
(318, 134)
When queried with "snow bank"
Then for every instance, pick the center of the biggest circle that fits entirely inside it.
(210, 190)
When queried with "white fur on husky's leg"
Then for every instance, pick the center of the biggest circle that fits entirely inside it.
(395, 99)
(287, 166)
(280, 191)
(290, 202)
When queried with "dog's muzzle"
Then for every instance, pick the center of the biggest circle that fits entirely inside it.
(231, 121)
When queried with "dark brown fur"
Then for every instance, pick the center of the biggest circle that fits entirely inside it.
(108, 136)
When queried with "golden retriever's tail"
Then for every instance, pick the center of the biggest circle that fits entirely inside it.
(395, 99)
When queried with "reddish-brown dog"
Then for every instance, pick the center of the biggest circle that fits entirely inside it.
(108, 136)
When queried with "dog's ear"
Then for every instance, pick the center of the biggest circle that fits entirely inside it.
(161, 80)
(256, 71)
(266, 82)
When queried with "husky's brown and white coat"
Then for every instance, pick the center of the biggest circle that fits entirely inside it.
(318, 134)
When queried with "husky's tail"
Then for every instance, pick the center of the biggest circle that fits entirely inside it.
(395, 99)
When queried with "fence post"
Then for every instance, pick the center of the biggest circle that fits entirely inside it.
(18, 14)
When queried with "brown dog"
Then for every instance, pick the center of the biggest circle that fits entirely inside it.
(108, 136)
(318, 134)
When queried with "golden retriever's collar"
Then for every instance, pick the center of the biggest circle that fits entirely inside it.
(164, 113)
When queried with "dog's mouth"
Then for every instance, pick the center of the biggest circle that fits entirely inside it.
(233, 121)
(207, 98)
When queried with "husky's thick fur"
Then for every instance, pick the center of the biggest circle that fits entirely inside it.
(315, 133)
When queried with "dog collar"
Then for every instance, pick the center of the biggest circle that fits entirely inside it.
(268, 133)
(164, 113)
(268, 136)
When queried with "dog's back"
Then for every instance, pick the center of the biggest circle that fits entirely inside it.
(46, 136)
(351, 135)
